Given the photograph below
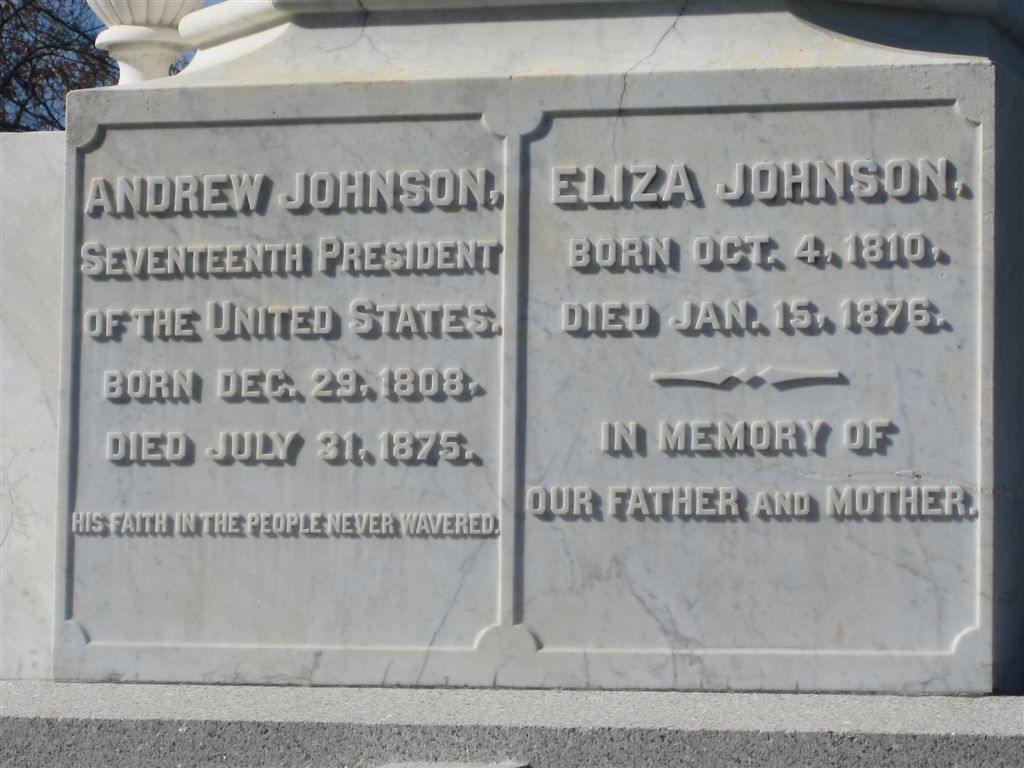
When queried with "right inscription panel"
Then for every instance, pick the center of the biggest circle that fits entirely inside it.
(753, 381)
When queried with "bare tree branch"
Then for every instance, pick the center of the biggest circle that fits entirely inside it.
(48, 50)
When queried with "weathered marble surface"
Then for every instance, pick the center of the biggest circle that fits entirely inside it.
(248, 42)
(613, 602)
(31, 224)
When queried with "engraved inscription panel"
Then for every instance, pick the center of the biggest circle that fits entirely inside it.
(575, 387)
(288, 346)
(752, 381)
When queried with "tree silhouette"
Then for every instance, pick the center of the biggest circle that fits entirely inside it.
(47, 50)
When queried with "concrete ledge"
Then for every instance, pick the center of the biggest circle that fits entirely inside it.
(156, 725)
(669, 711)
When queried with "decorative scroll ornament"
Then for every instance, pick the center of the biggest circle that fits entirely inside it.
(142, 35)
(774, 375)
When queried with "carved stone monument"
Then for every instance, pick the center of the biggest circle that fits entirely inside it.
(662, 357)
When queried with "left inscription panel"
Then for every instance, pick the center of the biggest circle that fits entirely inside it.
(282, 357)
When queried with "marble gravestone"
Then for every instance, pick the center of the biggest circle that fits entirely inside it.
(536, 345)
